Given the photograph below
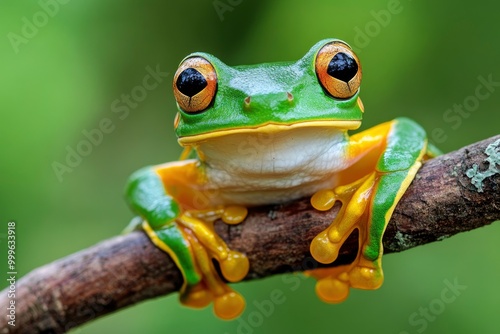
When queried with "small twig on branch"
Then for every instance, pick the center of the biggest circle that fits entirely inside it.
(125, 270)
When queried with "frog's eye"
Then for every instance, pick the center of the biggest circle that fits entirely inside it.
(338, 70)
(195, 84)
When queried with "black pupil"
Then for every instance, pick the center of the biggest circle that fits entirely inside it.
(342, 67)
(190, 82)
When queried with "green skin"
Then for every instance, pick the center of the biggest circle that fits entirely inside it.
(266, 83)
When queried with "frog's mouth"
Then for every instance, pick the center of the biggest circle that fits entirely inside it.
(269, 128)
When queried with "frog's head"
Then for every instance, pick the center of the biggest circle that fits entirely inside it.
(319, 90)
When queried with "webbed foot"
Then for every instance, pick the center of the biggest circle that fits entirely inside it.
(192, 242)
(364, 272)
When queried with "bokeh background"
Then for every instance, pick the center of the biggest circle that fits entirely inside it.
(62, 78)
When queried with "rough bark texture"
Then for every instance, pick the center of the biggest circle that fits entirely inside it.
(124, 270)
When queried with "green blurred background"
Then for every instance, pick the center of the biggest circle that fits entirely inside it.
(62, 80)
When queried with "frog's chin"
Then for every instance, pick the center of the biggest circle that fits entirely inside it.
(269, 128)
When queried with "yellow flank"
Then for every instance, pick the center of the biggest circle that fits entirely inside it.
(183, 181)
(366, 141)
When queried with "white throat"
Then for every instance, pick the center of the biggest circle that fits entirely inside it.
(263, 168)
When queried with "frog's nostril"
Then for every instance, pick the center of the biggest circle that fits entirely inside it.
(268, 101)
(247, 101)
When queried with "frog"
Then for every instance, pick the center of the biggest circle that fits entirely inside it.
(296, 116)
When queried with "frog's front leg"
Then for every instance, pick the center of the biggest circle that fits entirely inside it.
(387, 158)
(177, 220)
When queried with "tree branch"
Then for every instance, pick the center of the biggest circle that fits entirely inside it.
(125, 270)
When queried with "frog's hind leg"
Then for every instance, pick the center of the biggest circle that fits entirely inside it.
(367, 205)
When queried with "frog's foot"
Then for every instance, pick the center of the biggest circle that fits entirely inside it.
(333, 284)
(202, 283)
(355, 198)
(228, 304)
(365, 271)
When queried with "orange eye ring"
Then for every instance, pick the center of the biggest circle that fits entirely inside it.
(195, 84)
(338, 70)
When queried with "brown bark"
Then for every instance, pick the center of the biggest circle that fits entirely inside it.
(124, 270)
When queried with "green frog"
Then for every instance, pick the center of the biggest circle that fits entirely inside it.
(268, 134)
